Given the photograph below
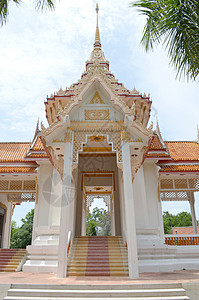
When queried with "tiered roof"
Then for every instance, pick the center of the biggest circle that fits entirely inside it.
(174, 156)
(21, 157)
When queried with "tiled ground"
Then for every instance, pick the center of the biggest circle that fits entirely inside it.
(177, 276)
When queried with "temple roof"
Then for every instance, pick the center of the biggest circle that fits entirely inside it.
(13, 152)
(130, 103)
(173, 156)
(17, 169)
(183, 151)
(179, 168)
(21, 158)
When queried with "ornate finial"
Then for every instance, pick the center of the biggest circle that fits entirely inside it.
(97, 44)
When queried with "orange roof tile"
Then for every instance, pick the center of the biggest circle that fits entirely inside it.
(38, 146)
(17, 170)
(183, 230)
(159, 154)
(179, 168)
(183, 150)
(37, 155)
(13, 152)
(155, 143)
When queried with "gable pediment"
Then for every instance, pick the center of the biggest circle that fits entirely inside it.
(96, 99)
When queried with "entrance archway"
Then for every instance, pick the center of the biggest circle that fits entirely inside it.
(99, 215)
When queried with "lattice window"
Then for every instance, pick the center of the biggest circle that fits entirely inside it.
(22, 197)
(4, 184)
(80, 137)
(15, 185)
(174, 196)
(166, 184)
(181, 184)
(194, 183)
(29, 185)
(106, 199)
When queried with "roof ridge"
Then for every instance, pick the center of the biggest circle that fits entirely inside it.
(15, 142)
(195, 142)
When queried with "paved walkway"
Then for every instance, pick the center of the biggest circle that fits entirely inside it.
(42, 278)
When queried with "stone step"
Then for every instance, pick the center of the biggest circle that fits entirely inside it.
(11, 260)
(100, 293)
(134, 286)
(68, 298)
(99, 263)
(156, 256)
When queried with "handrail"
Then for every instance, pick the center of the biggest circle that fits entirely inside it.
(182, 240)
(69, 241)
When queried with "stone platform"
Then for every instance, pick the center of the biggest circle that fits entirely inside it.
(189, 280)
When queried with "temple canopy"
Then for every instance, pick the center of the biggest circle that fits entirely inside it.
(98, 144)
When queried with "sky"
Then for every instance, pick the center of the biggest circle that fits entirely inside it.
(41, 52)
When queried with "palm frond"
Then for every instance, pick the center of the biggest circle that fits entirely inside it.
(4, 10)
(44, 4)
(175, 23)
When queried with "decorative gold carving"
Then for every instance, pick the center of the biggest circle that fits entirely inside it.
(97, 138)
(136, 161)
(68, 136)
(80, 139)
(96, 99)
(91, 114)
(126, 138)
(58, 162)
(101, 126)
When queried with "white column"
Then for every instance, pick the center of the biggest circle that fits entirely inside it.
(112, 216)
(193, 213)
(129, 212)
(7, 228)
(65, 211)
(84, 215)
(36, 210)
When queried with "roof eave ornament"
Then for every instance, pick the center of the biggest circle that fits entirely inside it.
(97, 44)
(97, 57)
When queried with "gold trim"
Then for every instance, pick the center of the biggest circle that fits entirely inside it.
(96, 99)
(94, 114)
(102, 154)
(97, 149)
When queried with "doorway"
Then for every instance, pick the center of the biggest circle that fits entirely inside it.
(98, 220)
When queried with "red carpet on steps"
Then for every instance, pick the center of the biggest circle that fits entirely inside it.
(10, 259)
(98, 255)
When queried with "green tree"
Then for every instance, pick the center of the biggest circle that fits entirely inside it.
(39, 4)
(14, 228)
(98, 217)
(21, 237)
(167, 221)
(182, 219)
(175, 23)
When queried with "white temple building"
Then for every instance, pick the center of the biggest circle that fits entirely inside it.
(99, 145)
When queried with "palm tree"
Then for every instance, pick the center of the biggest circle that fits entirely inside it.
(175, 23)
(39, 4)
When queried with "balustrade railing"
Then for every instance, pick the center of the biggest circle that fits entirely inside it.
(182, 240)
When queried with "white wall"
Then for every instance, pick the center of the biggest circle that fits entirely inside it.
(41, 220)
(55, 199)
(7, 221)
(140, 200)
(151, 186)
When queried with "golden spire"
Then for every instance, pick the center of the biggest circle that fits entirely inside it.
(97, 44)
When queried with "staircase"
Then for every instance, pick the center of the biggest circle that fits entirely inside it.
(11, 260)
(98, 256)
(170, 291)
